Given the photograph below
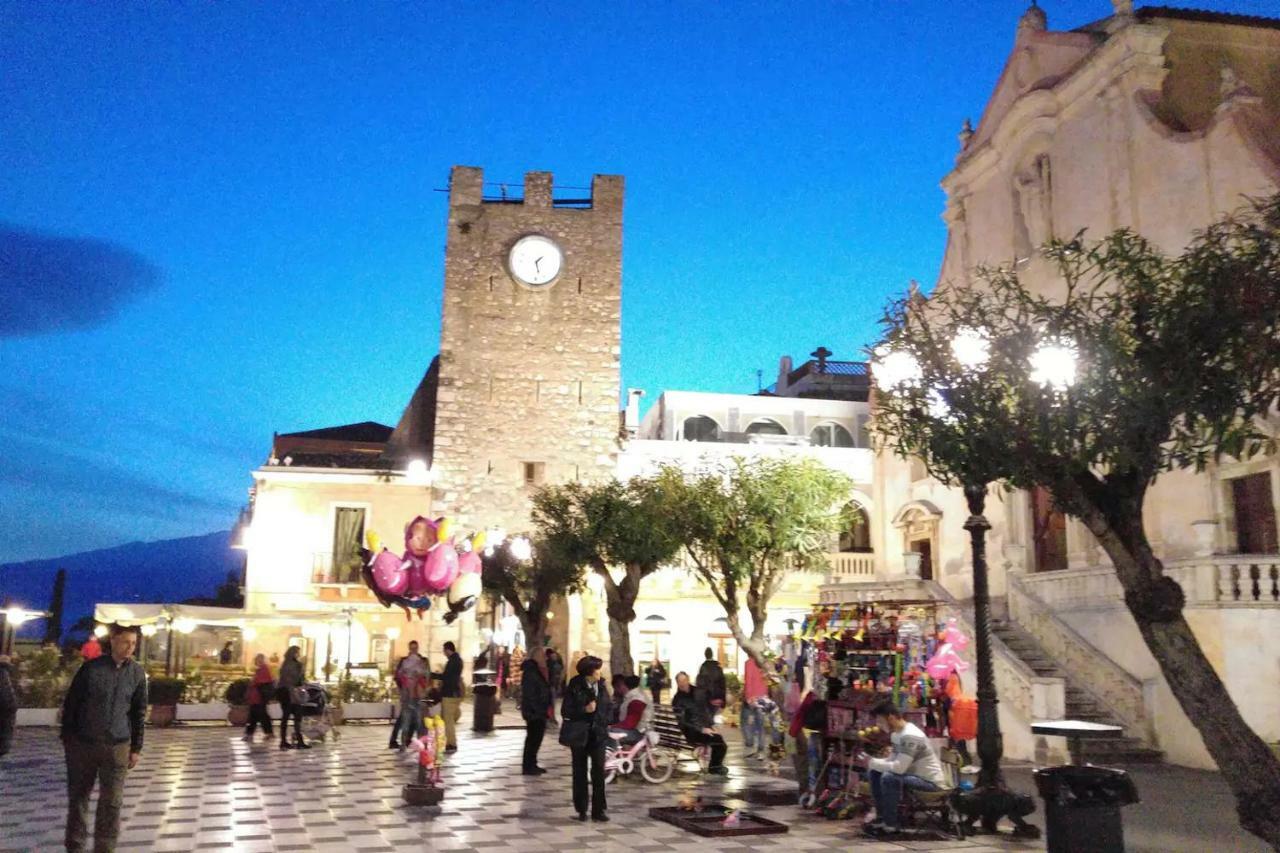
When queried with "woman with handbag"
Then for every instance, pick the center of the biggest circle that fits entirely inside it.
(584, 728)
(290, 680)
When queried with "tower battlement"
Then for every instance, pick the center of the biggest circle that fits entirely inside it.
(468, 187)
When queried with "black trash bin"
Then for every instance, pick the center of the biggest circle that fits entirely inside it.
(1082, 807)
(486, 700)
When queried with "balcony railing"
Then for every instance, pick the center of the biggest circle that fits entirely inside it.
(1230, 580)
(851, 567)
(323, 570)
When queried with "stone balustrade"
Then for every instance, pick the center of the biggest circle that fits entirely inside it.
(851, 567)
(1108, 682)
(1228, 580)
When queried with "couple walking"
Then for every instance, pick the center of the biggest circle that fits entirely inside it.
(264, 687)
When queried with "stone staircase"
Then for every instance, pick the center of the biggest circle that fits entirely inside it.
(1080, 704)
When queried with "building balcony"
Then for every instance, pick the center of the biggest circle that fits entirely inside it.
(325, 573)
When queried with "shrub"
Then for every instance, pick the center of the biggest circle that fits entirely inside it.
(165, 691)
(237, 692)
(42, 677)
(732, 683)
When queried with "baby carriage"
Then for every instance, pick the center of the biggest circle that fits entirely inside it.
(317, 712)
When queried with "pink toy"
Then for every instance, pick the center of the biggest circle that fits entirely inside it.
(389, 573)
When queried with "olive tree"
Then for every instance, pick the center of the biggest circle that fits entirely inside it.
(746, 525)
(1141, 363)
(621, 531)
(528, 576)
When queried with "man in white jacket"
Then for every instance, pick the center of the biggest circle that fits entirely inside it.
(911, 763)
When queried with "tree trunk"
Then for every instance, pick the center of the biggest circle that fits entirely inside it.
(620, 662)
(620, 606)
(1246, 763)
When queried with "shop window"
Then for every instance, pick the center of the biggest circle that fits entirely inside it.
(701, 428)
(1049, 528)
(1255, 514)
(766, 426)
(830, 435)
(855, 533)
(348, 538)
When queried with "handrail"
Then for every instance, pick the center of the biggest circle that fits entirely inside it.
(1122, 692)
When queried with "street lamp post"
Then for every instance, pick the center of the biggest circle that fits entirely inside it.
(990, 741)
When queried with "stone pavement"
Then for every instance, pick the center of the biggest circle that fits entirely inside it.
(204, 789)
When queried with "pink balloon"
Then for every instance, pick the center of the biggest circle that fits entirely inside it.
(415, 569)
(389, 574)
(440, 568)
(955, 636)
(469, 563)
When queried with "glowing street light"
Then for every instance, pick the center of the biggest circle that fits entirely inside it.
(1053, 365)
(894, 369)
(417, 473)
(100, 631)
(521, 548)
(972, 348)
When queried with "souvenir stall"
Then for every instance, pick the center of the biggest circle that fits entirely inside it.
(853, 657)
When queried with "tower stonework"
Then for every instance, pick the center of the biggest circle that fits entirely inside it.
(529, 375)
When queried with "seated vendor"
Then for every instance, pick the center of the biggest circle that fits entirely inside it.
(693, 712)
(910, 763)
(636, 711)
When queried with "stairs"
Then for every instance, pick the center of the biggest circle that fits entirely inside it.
(1080, 703)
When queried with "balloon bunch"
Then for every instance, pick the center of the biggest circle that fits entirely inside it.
(432, 564)
(947, 659)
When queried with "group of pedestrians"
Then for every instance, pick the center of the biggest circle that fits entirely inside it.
(416, 683)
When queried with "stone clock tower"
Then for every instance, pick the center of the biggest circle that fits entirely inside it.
(528, 381)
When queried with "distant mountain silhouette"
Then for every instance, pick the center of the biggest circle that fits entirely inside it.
(169, 570)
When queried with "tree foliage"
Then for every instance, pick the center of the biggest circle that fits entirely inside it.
(1178, 365)
(747, 524)
(529, 586)
(621, 531)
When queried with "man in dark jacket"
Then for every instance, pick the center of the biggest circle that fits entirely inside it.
(535, 707)
(451, 693)
(711, 680)
(102, 723)
(694, 715)
(8, 705)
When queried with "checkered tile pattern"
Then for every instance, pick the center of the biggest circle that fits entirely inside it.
(204, 789)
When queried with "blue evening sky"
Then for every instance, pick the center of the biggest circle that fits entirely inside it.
(258, 244)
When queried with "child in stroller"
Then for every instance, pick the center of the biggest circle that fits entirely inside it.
(317, 712)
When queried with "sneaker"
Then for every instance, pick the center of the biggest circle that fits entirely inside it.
(600, 818)
(719, 771)
(302, 745)
(582, 816)
(453, 748)
(285, 745)
(394, 745)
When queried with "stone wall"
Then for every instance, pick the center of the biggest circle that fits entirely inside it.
(527, 375)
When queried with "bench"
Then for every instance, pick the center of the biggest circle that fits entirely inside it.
(671, 736)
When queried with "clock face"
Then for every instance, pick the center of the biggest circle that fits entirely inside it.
(535, 260)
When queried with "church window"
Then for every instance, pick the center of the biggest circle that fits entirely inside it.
(701, 428)
(830, 435)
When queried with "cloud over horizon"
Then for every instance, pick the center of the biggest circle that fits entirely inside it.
(52, 284)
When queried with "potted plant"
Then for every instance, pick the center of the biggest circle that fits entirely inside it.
(733, 692)
(362, 699)
(163, 695)
(237, 696)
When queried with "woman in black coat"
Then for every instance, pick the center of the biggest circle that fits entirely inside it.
(584, 728)
(535, 707)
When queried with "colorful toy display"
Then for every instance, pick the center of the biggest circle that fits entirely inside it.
(429, 567)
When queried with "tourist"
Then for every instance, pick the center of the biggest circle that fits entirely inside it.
(411, 676)
(224, 656)
(451, 692)
(260, 690)
(911, 763)
(711, 680)
(555, 673)
(290, 679)
(694, 715)
(8, 705)
(619, 683)
(585, 730)
(92, 649)
(635, 713)
(535, 707)
(656, 678)
(102, 726)
(751, 719)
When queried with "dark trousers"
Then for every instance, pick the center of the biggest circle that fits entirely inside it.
(106, 764)
(594, 751)
(258, 716)
(8, 717)
(287, 710)
(533, 733)
(657, 695)
(717, 744)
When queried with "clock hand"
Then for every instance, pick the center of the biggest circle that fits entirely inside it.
(537, 264)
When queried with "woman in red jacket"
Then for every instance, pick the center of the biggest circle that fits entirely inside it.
(261, 688)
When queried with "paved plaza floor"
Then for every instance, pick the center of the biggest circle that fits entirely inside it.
(204, 789)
